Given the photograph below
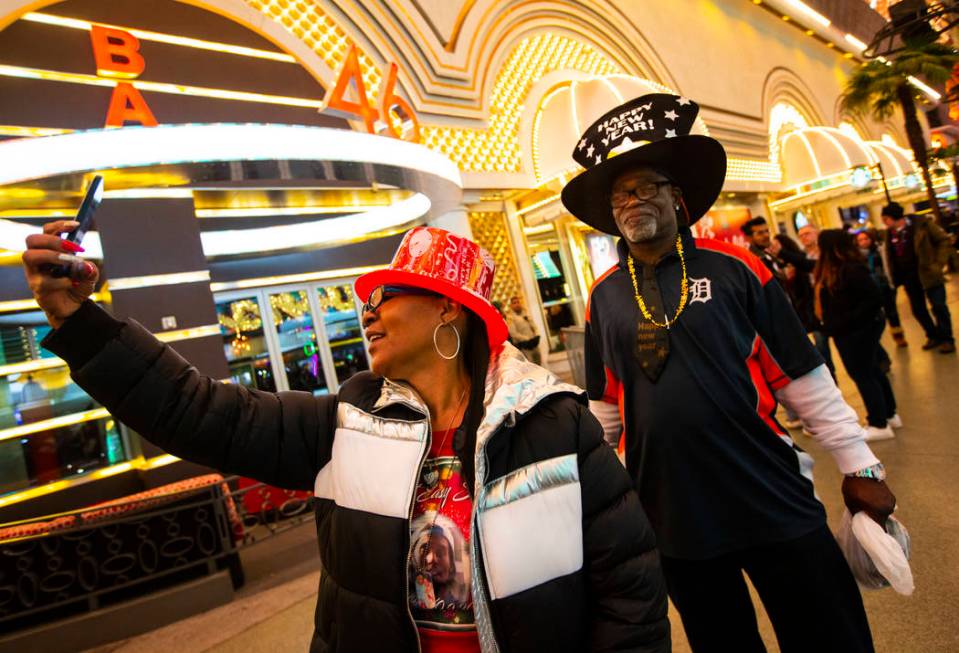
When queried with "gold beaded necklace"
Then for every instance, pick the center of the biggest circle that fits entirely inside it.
(683, 292)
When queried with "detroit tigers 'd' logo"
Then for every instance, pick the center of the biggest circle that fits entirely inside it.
(700, 290)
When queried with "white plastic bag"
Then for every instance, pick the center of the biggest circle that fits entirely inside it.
(878, 557)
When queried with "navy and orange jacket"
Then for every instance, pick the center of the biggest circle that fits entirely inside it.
(713, 468)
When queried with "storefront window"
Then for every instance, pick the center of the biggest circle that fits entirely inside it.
(298, 343)
(854, 217)
(343, 330)
(244, 344)
(50, 429)
(553, 283)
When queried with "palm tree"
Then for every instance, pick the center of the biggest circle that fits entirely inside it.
(880, 86)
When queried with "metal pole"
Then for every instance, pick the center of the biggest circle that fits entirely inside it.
(885, 188)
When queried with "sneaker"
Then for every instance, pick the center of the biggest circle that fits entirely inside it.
(874, 433)
(931, 343)
(895, 421)
(793, 423)
(948, 347)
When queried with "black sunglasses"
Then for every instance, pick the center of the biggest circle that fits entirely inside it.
(643, 192)
(381, 294)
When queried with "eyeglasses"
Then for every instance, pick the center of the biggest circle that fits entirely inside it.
(381, 294)
(643, 192)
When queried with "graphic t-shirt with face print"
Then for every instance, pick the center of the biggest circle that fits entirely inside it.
(439, 571)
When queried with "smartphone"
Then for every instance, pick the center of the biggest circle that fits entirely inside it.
(91, 202)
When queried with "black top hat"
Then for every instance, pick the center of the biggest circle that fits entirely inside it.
(652, 130)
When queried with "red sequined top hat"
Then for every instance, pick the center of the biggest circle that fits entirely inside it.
(447, 264)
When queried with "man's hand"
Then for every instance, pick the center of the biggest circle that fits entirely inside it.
(58, 297)
(871, 496)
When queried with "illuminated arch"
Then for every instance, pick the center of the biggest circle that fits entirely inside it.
(784, 86)
(784, 118)
(788, 104)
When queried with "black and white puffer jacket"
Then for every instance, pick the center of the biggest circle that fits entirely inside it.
(563, 557)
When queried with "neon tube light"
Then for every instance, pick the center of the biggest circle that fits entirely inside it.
(281, 280)
(152, 280)
(188, 334)
(54, 423)
(172, 39)
(856, 43)
(809, 12)
(159, 87)
(248, 241)
(925, 88)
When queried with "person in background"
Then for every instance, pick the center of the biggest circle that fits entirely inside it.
(32, 391)
(849, 303)
(498, 305)
(800, 290)
(951, 227)
(756, 231)
(804, 261)
(798, 278)
(522, 332)
(809, 237)
(917, 250)
(873, 256)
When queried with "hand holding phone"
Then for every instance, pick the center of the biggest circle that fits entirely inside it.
(91, 202)
(60, 281)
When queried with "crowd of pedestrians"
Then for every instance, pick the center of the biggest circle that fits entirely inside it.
(843, 287)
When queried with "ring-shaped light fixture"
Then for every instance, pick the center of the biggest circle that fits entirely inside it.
(315, 233)
(26, 159)
(290, 154)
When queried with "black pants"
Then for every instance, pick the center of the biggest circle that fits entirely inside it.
(889, 305)
(805, 584)
(860, 353)
(941, 328)
(937, 298)
(821, 341)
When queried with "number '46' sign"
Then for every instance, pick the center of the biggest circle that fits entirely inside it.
(394, 117)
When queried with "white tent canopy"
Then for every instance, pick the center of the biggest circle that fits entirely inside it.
(814, 153)
(570, 107)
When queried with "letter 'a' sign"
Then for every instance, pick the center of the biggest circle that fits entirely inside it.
(117, 55)
(394, 117)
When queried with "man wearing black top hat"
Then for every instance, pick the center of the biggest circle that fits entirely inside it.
(695, 344)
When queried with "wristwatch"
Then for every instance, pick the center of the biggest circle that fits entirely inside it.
(875, 472)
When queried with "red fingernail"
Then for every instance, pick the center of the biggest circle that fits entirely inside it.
(89, 269)
(72, 247)
(76, 284)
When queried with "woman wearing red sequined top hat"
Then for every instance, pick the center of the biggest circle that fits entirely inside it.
(690, 343)
(466, 500)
